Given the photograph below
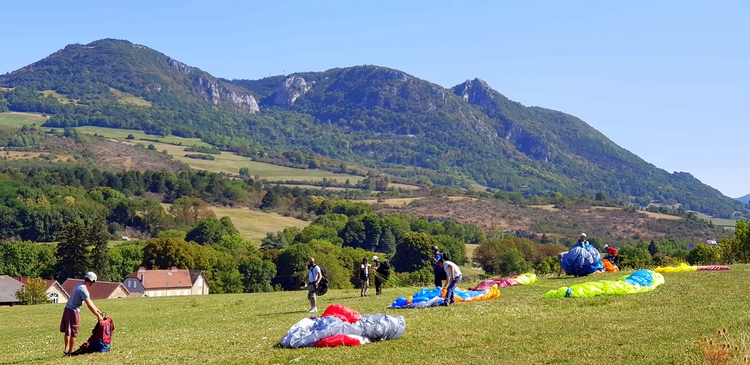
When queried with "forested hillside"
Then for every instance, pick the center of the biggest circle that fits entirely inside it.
(370, 116)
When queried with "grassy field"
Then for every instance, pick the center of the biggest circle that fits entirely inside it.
(661, 327)
(724, 222)
(254, 225)
(14, 119)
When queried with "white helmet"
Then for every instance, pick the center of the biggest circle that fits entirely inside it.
(583, 235)
(90, 276)
(374, 258)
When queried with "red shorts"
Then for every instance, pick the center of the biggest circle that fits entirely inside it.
(70, 321)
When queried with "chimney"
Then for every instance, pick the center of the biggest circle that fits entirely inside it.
(141, 273)
(174, 268)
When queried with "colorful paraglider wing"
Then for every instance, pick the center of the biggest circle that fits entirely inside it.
(609, 266)
(433, 297)
(317, 330)
(346, 314)
(713, 268)
(637, 282)
(683, 267)
(523, 279)
(342, 340)
(580, 261)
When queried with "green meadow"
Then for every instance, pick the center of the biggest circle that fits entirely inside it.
(660, 327)
(254, 225)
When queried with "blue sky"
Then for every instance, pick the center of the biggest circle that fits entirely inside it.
(667, 80)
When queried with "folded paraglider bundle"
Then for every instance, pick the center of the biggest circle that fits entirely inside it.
(683, 267)
(100, 340)
(582, 260)
(343, 326)
(433, 297)
(638, 282)
(522, 279)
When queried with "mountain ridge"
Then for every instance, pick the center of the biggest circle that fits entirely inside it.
(373, 116)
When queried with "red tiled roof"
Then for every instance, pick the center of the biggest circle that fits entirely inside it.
(49, 282)
(158, 279)
(99, 290)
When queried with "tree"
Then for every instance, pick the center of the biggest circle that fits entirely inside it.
(601, 196)
(209, 231)
(99, 238)
(704, 255)
(34, 292)
(652, 249)
(244, 172)
(413, 252)
(270, 200)
(72, 252)
(634, 257)
(512, 262)
(256, 274)
(188, 211)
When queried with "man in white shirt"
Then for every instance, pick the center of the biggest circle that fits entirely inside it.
(314, 275)
(454, 277)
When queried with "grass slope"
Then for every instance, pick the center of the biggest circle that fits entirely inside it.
(520, 327)
(254, 225)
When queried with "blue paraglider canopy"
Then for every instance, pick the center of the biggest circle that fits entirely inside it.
(582, 260)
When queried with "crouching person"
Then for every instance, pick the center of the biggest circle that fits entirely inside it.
(453, 274)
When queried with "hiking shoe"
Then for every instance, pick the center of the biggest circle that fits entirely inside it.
(313, 310)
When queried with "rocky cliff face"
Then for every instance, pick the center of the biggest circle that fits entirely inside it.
(212, 91)
(291, 89)
(179, 66)
(475, 92)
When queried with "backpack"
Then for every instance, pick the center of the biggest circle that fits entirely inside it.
(323, 285)
(100, 340)
(385, 267)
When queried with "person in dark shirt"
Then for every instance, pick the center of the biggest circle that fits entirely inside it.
(383, 270)
(436, 268)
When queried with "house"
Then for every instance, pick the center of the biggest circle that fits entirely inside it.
(8, 289)
(99, 290)
(55, 292)
(165, 283)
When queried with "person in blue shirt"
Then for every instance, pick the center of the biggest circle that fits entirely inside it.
(582, 240)
(436, 268)
(71, 319)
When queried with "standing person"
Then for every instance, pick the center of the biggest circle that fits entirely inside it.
(454, 277)
(436, 268)
(314, 275)
(364, 275)
(71, 318)
(582, 240)
(383, 270)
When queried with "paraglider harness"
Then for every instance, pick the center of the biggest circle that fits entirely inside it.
(100, 340)
(323, 285)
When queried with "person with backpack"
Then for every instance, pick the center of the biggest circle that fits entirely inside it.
(383, 270)
(436, 268)
(364, 276)
(611, 254)
(71, 319)
(454, 276)
(314, 276)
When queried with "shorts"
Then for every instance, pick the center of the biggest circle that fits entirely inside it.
(70, 322)
(311, 291)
